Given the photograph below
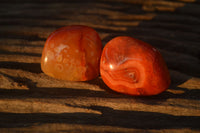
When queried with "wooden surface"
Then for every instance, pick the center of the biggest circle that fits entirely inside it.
(32, 102)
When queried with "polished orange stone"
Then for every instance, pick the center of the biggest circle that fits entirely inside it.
(133, 67)
(72, 53)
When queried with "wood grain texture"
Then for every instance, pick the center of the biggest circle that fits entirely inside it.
(32, 102)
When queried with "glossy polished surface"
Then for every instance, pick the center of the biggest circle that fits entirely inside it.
(72, 53)
(133, 67)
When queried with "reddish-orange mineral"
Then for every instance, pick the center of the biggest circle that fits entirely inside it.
(72, 53)
(133, 67)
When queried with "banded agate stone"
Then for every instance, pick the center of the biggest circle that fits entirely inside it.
(133, 67)
(72, 53)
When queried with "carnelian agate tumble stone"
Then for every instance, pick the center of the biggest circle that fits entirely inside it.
(133, 67)
(72, 53)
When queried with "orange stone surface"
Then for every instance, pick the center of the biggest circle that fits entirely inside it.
(133, 67)
(72, 53)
